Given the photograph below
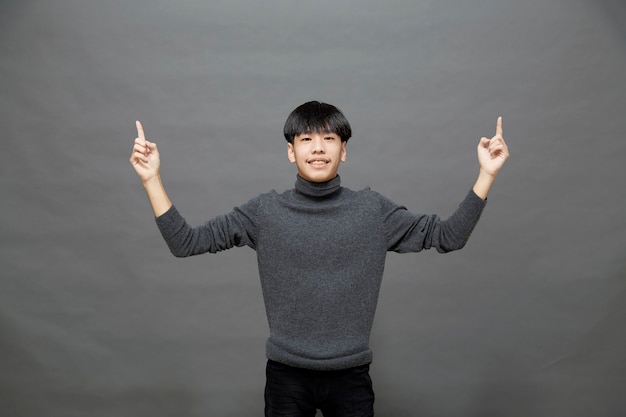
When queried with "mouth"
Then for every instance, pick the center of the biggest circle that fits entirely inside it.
(318, 162)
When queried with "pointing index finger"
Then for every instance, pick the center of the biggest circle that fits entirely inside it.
(499, 126)
(140, 133)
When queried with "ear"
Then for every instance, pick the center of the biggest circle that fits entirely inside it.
(343, 151)
(290, 153)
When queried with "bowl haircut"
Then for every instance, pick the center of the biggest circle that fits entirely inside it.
(318, 117)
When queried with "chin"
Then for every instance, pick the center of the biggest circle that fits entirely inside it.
(318, 178)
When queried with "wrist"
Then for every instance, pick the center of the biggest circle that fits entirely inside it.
(483, 183)
(158, 197)
(152, 181)
(486, 174)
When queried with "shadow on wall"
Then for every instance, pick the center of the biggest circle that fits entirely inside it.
(14, 372)
(32, 383)
(507, 392)
(614, 12)
(589, 380)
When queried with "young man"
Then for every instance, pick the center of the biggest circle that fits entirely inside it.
(321, 251)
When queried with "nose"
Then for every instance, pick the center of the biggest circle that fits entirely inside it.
(318, 145)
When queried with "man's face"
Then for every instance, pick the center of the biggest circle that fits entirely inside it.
(317, 155)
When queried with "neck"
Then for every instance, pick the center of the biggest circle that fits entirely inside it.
(318, 189)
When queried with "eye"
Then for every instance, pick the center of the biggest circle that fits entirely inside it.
(329, 138)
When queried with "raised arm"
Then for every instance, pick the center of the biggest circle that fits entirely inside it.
(147, 163)
(492, 153)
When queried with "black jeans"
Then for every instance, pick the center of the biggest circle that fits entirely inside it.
(296, 392)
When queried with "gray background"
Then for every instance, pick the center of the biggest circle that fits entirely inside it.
(98, 319)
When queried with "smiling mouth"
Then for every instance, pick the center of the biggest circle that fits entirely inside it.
(318, 162)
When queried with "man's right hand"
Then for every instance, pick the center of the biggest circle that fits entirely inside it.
(145, 156)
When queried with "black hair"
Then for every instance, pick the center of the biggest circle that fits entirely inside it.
(314, 116)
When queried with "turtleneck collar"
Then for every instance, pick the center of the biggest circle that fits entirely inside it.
(317, 189)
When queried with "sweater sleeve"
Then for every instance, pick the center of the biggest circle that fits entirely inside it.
(410, 232)
(237, 228)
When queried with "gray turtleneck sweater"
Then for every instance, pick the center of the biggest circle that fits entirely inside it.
(321, 253)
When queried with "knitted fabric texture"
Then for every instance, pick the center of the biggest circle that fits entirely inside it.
(321, 252)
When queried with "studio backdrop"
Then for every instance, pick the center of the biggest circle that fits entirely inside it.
(97, 318)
